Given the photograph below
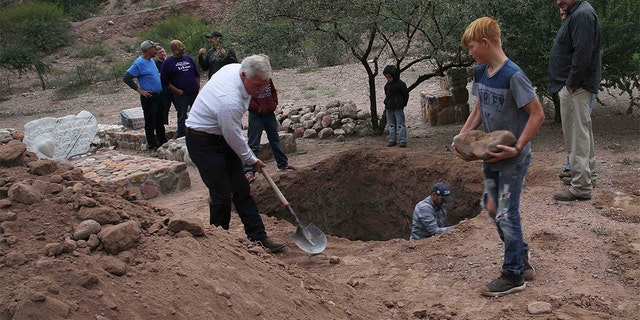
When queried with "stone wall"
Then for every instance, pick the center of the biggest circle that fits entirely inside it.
(336, 119)
(449, 104)
(142, 177)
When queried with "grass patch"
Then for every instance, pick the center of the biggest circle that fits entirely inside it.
(617, 148)
(629, 161)
(601, 231)
(92, 50)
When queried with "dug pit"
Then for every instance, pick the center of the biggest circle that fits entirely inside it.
(369, 194)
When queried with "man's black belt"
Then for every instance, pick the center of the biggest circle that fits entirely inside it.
(204, 134)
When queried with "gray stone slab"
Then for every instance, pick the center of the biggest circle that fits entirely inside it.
(61, 138)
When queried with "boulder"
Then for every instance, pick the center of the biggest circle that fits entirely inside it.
(474, 144)
(194, 225)
(12, 154)
(120, 237)
(24, 193)
(42, 167)
(103, 215)
(85, 229)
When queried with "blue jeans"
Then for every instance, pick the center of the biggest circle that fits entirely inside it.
(504, 188)
(153, 126)
(221, 171)
(182, 104)
(395, 120)
(268, 123)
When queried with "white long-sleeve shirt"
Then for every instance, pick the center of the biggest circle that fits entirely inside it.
(219, 109)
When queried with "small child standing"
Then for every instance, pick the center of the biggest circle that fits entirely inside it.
(396, 98)
(506, 100)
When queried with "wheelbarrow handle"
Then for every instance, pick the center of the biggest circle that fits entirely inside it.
(281, 197)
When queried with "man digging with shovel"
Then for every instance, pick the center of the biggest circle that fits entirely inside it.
(217, 147)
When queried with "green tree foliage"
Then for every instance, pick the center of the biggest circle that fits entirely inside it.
(414, 31)
(29, 31)
(183, 27)
(409, 32)
(620, 22)
(529, 29)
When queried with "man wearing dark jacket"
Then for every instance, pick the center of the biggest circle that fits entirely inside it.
(218, 56)
(396, 98)
(574, 73)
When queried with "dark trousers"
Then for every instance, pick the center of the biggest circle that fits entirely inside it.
(182, 104)
(167, 99)
(268, 123)
(152, 109)
(221, 171)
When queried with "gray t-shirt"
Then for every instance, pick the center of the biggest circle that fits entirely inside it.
(501, 97)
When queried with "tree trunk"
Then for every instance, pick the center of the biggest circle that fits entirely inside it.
(372, 101)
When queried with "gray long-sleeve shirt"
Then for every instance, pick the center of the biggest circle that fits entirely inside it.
(428, 219)
(575, 58)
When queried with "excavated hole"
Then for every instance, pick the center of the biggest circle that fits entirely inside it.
(369, 194)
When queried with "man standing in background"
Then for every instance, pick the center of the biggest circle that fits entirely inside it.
(218, 56)
(574, 73)
(150, 88)
(180, 74)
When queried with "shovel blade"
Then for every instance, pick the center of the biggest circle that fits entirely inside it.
(310, 239)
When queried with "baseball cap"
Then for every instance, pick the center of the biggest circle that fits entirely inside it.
(214, 34)
(145, 45)
(443, 190)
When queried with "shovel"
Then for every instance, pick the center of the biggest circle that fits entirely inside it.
(310, 238)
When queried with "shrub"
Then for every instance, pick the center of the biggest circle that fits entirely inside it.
(29, 32)
(183, 27)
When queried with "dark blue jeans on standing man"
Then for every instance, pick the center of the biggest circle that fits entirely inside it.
(152, 109)
(268, 123)
(221, 171)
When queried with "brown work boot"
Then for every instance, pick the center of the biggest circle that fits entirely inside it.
(271, 245)
(568, 196)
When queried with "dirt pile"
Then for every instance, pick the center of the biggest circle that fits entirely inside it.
(71, 248)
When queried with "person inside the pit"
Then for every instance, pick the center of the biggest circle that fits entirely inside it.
(430, 214)
(396, 97)
(219, 150)
(506, 100)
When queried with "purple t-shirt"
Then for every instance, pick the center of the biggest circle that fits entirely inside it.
(181, 72)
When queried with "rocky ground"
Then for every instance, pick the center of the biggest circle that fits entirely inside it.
(359, 192)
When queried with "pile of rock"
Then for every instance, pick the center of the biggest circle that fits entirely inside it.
(336, 119)
(58, 191)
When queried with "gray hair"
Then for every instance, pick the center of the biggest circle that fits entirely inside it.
(256, 65)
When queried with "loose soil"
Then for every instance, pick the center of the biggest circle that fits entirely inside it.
(361, 194)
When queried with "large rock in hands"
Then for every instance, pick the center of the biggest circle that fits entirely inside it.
(474, 144)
